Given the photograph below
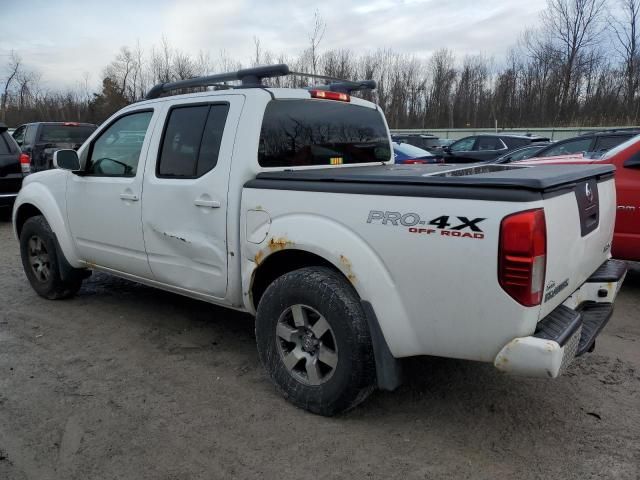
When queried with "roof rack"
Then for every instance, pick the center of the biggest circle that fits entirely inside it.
(252, 77)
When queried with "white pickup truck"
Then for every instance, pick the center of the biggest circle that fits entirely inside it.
(286, 204)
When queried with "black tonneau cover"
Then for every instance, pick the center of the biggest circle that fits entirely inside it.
(482, 182)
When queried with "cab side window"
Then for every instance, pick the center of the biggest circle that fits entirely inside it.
(116, 152)
(191, 141)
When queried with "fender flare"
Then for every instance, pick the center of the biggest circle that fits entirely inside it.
(38, 196)
(347, 252)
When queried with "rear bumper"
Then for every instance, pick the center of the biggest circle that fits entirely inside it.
(567, 332)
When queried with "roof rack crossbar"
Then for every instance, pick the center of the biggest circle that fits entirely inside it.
(248, 76)
(252, 77)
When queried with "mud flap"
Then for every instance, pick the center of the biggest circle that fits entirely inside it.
(388, 368)
(67, 272)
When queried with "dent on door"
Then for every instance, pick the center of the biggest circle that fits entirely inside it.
(189, 248)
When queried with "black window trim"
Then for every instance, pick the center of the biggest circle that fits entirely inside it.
(164, 131)
(84, 172)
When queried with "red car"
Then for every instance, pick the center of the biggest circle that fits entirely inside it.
(626, 158)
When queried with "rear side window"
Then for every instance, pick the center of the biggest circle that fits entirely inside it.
(75, 134)
(191, 141)
(606, 143)
(489, 143)
(298, 133)
(567, 148)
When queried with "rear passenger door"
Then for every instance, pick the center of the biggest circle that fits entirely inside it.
(184, 205)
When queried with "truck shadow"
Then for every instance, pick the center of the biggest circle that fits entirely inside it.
(450, 410)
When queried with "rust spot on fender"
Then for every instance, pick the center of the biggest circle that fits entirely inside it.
(259, 257)
(279, 243)
(346, 264)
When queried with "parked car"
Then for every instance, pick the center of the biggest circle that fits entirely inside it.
(521, 153)
(329, 244)
(486, 147)
(408, 154)
(626, 158)
(427, 142)
(10, 170)
(39, 140)
(593, 143)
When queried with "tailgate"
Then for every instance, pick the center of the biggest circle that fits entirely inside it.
(579, 225)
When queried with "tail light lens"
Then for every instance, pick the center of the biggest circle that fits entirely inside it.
(416, 162)
(25, 163)
(523, 256)
(327, 95)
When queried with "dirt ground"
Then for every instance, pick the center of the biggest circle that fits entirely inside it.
(128, 382)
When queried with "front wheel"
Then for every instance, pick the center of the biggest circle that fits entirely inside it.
(41, 263)
(314, 341)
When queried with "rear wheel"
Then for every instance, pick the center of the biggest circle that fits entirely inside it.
(41, 263)
(314, 342)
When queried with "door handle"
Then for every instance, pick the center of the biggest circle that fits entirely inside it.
(132, 197)
(206, 203)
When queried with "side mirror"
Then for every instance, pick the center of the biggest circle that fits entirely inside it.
(633, 162)
(447, 148)
(66, 160)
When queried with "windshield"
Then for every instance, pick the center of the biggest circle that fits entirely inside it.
(299, 133)
(65, 133)
(410, 150)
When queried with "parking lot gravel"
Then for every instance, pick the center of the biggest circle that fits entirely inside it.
(128, 382)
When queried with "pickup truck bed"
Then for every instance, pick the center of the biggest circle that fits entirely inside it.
(486, 182)
(399, 233)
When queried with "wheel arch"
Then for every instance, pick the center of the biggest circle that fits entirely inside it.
(297, 241)
(23, 213)
(280, 263)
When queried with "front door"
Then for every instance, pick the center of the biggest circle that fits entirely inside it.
(184, 205)
(104, 205)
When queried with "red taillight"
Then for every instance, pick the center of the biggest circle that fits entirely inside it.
(25, 163)
(415, 161)
(326, 95)
(523, 256)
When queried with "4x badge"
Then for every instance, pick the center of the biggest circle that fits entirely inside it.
(444, 225)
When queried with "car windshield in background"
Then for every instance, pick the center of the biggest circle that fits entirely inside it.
(411, 151)
(65, 133)
(298, 133)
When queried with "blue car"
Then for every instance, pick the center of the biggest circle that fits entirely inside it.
(409, 154)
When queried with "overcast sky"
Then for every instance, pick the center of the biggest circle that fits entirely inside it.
(63, 39)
